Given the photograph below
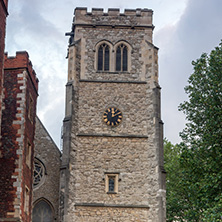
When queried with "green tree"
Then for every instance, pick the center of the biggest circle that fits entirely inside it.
(201, 150)
(174, 195)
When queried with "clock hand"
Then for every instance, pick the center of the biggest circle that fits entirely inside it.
(116, 114)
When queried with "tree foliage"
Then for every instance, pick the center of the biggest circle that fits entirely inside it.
(175, 204)
(200, 157)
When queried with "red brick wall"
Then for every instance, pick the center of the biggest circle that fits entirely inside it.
(9, 146)
(20, 83)
(3, 14)
(21, 61)
(6, 3)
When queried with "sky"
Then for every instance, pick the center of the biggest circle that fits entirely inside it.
(184, 29)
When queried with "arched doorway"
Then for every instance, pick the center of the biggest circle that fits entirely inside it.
(42, 212)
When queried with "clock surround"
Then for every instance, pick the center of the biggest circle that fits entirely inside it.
(112, 116)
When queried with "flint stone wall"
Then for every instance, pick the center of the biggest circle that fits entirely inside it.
(131, 149)
(47, 152)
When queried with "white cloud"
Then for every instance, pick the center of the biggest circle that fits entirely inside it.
(196, 32)
(184, 29)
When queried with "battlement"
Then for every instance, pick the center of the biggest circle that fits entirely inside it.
(21, 61)
(130, 17)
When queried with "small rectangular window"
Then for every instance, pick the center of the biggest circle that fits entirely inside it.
(28, 154)
(26, 202)
(111, 183)
(30, 108)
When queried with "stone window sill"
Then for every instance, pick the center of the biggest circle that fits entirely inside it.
(110, 192)
(108, 72)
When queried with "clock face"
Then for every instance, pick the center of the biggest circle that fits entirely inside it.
(112, 116)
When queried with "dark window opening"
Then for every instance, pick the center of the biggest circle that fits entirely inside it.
(42, 212)
(100, 58)
(103, 58)
(111, 184)
(118, 59)
(125, 59)
(106, 62)
(121, 58)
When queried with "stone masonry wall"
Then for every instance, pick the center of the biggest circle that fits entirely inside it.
(132, 99)
(130, 17)
(47, 151)
(134, 37)
(133, 148)
(134, 27)
(100, 214)
(134, 158)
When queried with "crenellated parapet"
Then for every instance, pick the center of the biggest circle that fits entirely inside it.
(97, 17)
(21, 61)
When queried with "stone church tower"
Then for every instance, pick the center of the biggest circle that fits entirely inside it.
(112, 164)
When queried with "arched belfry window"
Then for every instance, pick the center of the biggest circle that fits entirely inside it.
(122, 58)
(42, 212)
(103, 57)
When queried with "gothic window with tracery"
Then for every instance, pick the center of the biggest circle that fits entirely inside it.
(103, 57)
(42, 212)
(39, 172)
(121, 58)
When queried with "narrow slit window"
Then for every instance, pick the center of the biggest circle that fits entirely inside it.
(30, 108)
(27, 196)
(28, 154)
(111, 184)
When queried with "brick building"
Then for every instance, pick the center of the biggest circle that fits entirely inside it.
(26, 147)
(3, 15)
(112, 164)
(20, 89)
(19, 160)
